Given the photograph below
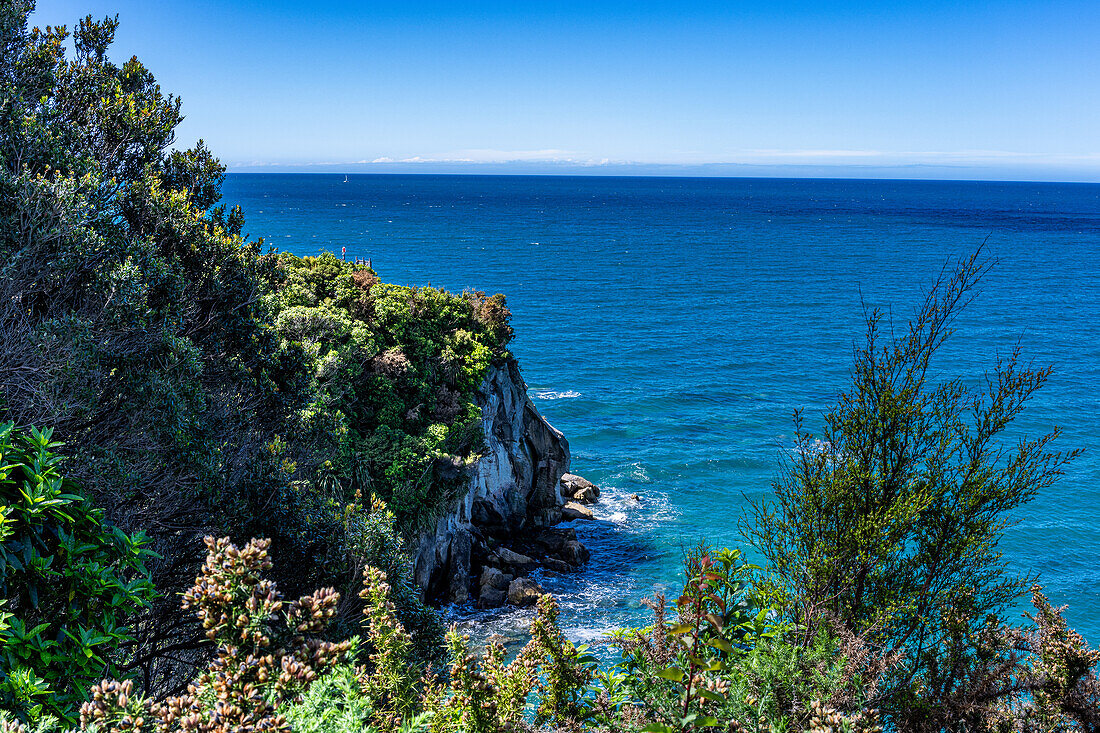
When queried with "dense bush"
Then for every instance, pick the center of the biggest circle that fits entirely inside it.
(393, 371)
(720, 664)
(704, 670)
(130, 309)
(70, 582)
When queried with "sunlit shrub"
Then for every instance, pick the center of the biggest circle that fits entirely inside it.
(268, 653)
(70, 582)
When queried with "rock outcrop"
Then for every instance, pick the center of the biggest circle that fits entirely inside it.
(576, 510)
(579, 489)
(514, 492)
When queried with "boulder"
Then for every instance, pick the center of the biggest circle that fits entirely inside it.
(587, 495)
(513, 559)
(558, 566)
(573, 510)
(523, 592)
(491, 597)
(494, 578)
(552, 540)
(576, 487)
(575, 553)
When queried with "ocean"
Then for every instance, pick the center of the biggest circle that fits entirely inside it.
(671, 326)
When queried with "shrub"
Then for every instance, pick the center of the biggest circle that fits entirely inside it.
(268, 653)
(335, 704)
(888, 522)
(726, 662)
(484, 694)
(389, 680)
(71, 582)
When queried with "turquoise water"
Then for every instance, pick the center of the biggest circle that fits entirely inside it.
(670, 327)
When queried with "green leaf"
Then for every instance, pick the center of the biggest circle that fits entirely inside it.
(720, 643)
(674, 674)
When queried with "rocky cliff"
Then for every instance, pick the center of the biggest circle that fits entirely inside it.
(513, 489)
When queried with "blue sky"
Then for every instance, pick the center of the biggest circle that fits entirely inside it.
(964, 89)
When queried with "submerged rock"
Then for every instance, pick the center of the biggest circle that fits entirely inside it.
(575, 553)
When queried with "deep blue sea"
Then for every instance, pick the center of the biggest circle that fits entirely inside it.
(670, 327)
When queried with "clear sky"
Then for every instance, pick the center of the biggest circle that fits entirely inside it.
(926, 88)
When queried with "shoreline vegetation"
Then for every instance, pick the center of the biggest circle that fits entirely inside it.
(214, 459)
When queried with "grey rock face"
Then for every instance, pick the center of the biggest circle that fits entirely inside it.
(458, 566)
(513, 487)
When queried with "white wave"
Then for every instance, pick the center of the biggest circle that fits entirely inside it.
(633, 472)
(581, 635)
(546, 394)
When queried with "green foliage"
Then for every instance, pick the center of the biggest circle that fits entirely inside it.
(70, 581)
(376, 543)
(393, 373)
(888, 522)
(567, 670)
(723, 661)
(390, 679)
(485, 695)
(130, 306)
(45, 724)
(335, 704)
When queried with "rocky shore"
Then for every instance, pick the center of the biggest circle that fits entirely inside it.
(506, 568)
(484, 548)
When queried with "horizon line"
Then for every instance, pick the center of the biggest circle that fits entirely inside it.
(291, 169)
